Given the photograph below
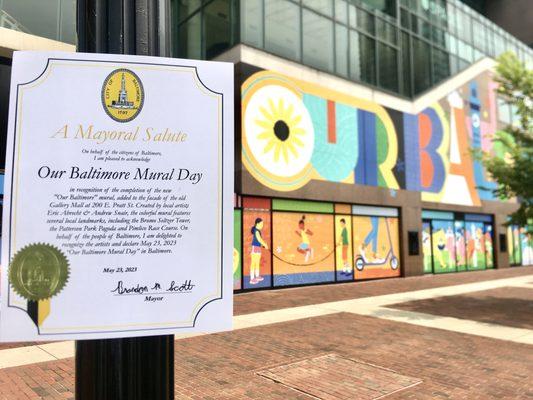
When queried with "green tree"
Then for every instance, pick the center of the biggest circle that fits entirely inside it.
(513, 172)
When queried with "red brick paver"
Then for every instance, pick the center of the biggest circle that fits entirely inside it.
(265, 300)
(510, 306)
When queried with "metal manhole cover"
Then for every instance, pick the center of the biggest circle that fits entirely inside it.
(334, 377)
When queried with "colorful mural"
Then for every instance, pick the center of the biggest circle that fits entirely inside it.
(475, 246)
(303, 248)
(280, 242)
(489, 246)
(526, 244)
(511, 249)
(294, 132)
(460, 245)
(519, 246)
(426, 247)
(237, 247)
(516, 245)
(444, 248)
(256, 235)
(343, 249)
(376, 246)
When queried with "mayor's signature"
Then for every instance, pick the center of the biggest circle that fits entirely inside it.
(157, 288)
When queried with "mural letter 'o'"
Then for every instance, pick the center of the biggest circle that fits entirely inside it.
(277, 134)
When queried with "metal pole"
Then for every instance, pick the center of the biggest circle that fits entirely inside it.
(134, 368)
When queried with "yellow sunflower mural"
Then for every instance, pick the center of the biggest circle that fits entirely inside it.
(278, 134)
(281, 133)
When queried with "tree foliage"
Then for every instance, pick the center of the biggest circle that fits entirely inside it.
(513, 173)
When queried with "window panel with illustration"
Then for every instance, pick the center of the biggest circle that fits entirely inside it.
(443, 245)
(256, 237)
(303, 248)
(376, 246)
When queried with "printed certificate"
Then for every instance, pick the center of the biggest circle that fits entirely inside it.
(118, 197)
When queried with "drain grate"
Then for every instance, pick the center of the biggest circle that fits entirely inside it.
(334, 377)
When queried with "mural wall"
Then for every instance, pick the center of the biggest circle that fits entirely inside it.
(456, 242)
(519, 246)
(257, 243)
(295, 132)
(291, 242)
(376, 246)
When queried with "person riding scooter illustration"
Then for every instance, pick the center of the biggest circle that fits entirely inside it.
(372, 237)
(362, 261)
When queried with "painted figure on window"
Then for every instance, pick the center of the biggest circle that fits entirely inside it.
(426, 248)
(527, 250)
(441, 246)
(460, 245)
(257, 244)
(450, 246)
(372, 237)
(345, 243)
(305, 246)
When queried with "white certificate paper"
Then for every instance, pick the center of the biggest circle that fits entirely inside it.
(118, 197)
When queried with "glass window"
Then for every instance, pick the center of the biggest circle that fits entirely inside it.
(452, 23)
(352, 14)
(386, 31)
(499, 46)
(463, 64)
(504, 111)
(68, 22)
(362, 58)
(217, 27)
(187, 7)
(341, 49)
(252, 22)
(438, 36)
(404, 18)
(317, 41)
(465, 51)
(454, 65)
(441, 65)
(464, 26)
(425, 29)
(479, 35)
(422, 65)
(386, 6)
(341, 11)
(322, 6)
(190, 38)
(490, 42)
(282, 28)
(388, 67)
(365, 21)
(414, 23)
(406, 65)
(36, 17)
(452, 45)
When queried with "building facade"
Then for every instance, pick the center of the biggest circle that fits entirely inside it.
(356, 124)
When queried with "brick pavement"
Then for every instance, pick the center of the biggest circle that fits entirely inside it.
(509, 306)
(226, 365)
(264, 300)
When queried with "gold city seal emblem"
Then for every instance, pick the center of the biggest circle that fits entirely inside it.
(122, 95)
(38, 271)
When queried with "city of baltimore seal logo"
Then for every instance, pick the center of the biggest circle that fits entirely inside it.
(122, 95)
(38, 271)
